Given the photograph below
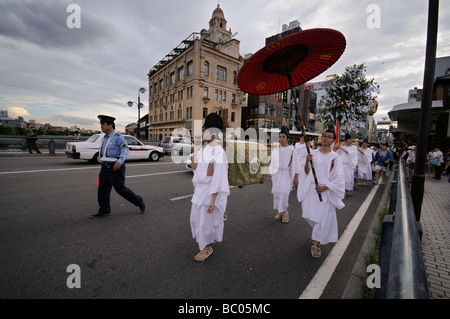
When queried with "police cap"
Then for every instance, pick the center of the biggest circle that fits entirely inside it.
(106, 119)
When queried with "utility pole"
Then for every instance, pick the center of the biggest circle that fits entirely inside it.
(418, 180)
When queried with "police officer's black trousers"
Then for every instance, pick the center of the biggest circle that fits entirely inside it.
(109, 178)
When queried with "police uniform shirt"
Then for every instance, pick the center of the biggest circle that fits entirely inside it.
(117, 147)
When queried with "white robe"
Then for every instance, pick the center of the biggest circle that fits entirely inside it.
(322, 215)
(301, 151)
(349, 161)
(364, 164)
(208, 227)
(282, 168)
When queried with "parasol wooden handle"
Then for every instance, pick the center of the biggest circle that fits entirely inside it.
(298, 116)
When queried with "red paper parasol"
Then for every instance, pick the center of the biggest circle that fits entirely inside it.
(290, 61)
(302, 55)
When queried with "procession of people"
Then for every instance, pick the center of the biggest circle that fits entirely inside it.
(319, 193)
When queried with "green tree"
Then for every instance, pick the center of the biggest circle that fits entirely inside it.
(348, 99)
(7, 129)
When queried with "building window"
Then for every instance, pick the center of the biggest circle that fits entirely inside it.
(221, 73)
(233, 116)
(205, 112)
(190, 68)
(234, 77)
(180, 73)
(233, 98)
(161, 85)
(189, 92)
(172, 78)
(205, 93)
(206, 68)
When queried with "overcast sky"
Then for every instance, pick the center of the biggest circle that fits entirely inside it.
(67, 76)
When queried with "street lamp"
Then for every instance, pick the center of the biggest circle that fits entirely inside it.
(139, 105)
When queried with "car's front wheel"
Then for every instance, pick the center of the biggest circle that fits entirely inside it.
(154, 156)
(94, 159)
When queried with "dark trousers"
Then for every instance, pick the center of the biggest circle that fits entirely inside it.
(109, 178)
(437, 171)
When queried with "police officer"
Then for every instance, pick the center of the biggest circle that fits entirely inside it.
(113, 153)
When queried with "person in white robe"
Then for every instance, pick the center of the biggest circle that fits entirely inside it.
(364, 163)
(321, 215)
(211, 189)
(300, 149)
(284, 174)
(349, 156)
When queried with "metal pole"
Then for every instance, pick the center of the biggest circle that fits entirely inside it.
(139, 116)
(418, 180)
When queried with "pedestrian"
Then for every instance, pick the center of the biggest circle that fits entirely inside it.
(300, 149)
(364, 163)
(113, 154)
(30, 140)
(430, 171)
(382, 159)
(321, 215)
(438, 162)
(411, 162)
(211, 188)
(375, 148)
(349, 155)
(76, 136)
(284, 174)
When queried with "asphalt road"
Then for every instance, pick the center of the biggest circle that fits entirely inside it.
(45, 227)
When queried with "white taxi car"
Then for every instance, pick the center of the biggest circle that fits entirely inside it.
(89, 150)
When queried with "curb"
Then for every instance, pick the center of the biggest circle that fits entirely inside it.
(354, 290)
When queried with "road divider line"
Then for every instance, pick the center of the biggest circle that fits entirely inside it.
(187, 196)
(74, 169)
(162, 173)
(320, 280)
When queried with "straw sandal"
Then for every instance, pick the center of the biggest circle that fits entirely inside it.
(285, 217)
(315, 251)
(204, 253)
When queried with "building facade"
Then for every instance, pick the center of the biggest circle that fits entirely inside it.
(196, 78)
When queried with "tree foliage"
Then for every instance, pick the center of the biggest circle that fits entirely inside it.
(349, 99)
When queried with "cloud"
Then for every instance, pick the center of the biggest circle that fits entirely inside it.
(65, 76)
(17, 111)
(44, 23)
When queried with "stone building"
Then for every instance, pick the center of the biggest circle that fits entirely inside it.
(196, 78)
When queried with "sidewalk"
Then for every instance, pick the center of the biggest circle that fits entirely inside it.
(435, 220)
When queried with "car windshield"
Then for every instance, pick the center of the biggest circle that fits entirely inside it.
(166, 139)
(93, 138)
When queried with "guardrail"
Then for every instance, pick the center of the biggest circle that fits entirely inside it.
(401, 262)
(47, 141)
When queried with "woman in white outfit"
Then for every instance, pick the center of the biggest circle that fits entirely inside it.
(211, 188)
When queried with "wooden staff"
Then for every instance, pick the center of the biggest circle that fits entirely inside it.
(298, 116)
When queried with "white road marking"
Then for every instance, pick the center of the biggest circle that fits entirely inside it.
(76, 168)
(320, 280)
(153, 174)
(187, 196)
